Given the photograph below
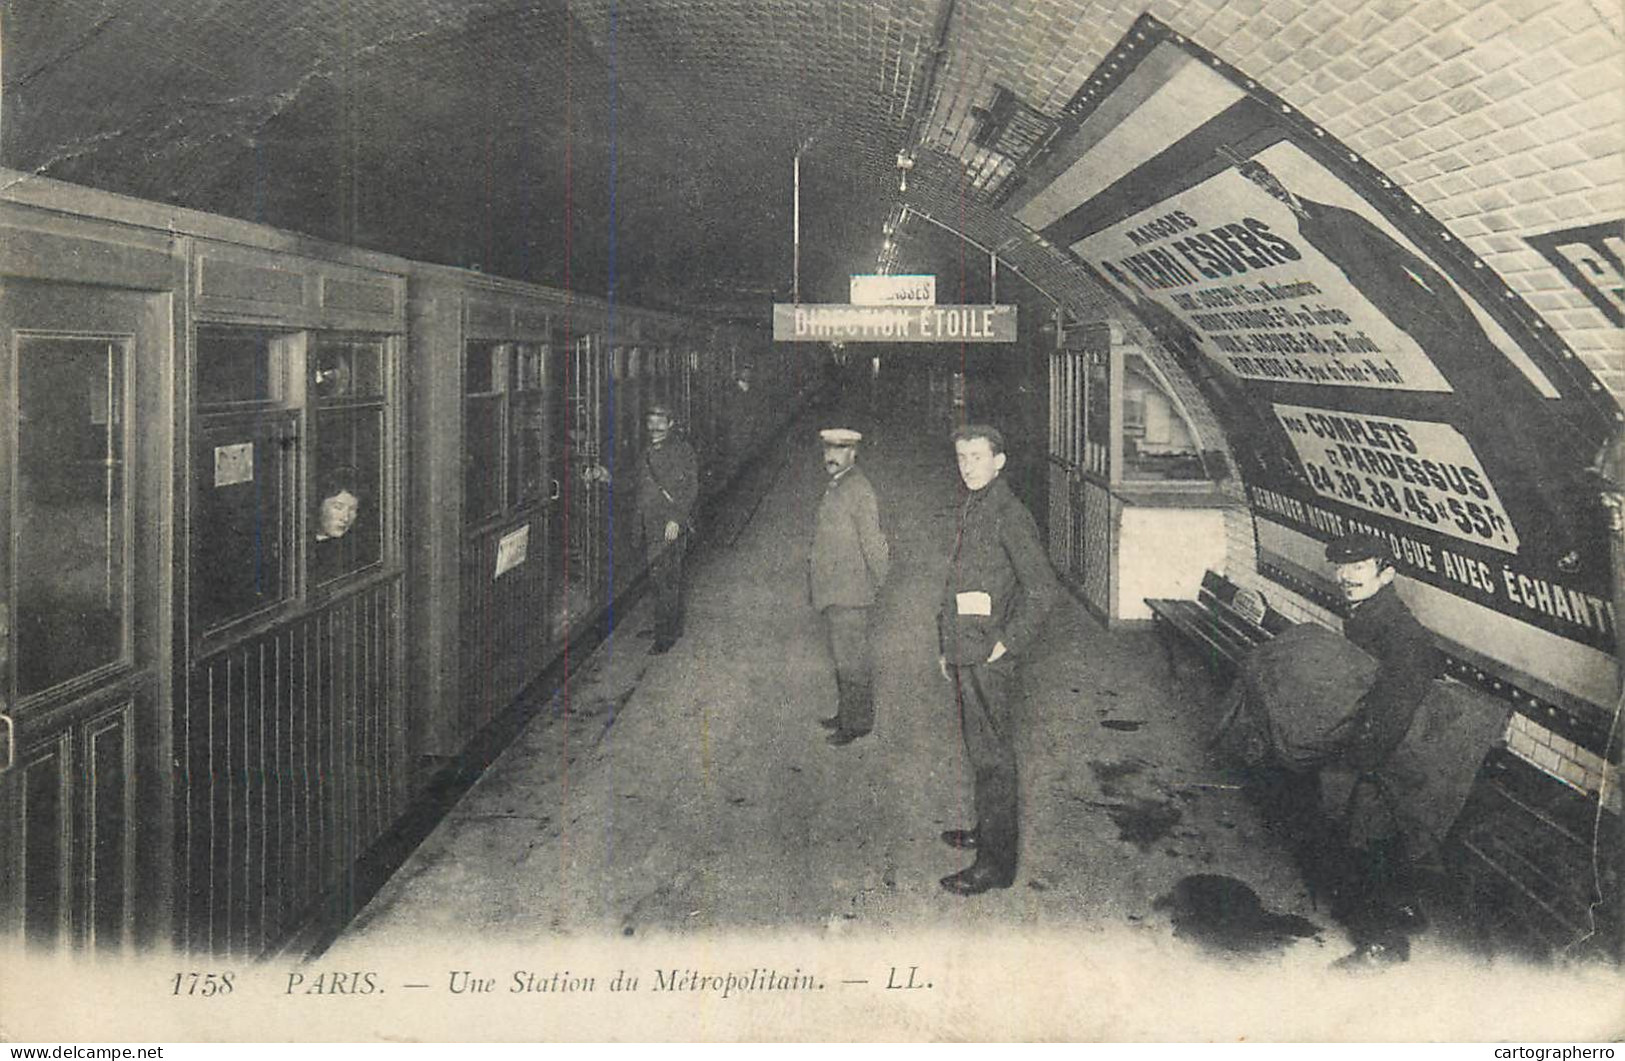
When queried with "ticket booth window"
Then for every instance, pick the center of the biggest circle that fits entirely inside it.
(1097, 420)
(1159, 444)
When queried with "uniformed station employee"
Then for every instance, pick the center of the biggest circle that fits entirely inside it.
(999, 588)
(668, 486)
(846, 566)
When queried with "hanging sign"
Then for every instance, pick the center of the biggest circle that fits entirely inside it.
(875, 290)
(834, 322)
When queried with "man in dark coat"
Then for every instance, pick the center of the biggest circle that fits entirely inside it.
(846, 566)
(999, 588)
(668, 485)
(1358, 753)
(1376, 902)
(1381, 624)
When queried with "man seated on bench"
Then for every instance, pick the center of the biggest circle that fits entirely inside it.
(1366, 756)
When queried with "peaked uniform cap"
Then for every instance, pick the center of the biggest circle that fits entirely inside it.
(840, 436)
(1352, 548)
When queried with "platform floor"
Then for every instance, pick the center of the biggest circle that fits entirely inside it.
(690, 798)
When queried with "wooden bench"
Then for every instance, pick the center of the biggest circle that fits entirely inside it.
(1224, 620)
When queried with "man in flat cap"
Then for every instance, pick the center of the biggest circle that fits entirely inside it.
(847, 564)
(1381, 624)
(999, 588)
(668, 485)
(1358, 754)
(1377, 901)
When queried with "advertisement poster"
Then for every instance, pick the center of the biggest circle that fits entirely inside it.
(1363, 371)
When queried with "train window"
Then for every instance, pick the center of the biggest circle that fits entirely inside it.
(71, 509)
(240, 366)
(242, 523)
(246, 463)
(527, 426)
(485, 378)
(504, 428)
(1158, 442)
(323, 416)
(349, 368)
(348, 478)
(482, 458)
(528, 359)
(483, 369)
(347, 533)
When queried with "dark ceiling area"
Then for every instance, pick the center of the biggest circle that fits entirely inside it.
(646, 149)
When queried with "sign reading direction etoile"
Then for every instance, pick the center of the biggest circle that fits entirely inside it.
(833, 322)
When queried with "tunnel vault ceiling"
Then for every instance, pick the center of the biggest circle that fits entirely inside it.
(643, 146)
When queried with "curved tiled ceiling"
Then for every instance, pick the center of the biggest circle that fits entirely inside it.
(648, 146)
(504, 135)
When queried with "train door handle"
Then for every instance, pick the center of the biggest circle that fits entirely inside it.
(11, 743)
(558, 490)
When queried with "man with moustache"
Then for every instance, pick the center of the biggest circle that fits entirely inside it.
(847, 565)
(1381, 624)
(1376, 900)
(1367, 782)
(999, 588)
(668, 485)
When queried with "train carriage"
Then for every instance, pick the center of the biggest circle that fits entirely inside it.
(286, 524)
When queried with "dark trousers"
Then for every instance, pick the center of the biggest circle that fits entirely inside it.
(854, 672)
(666, 580)
(1361, 882)
(984, 694)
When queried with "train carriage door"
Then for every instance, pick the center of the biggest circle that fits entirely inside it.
(504, 603)
(586, 479)
(627, 401)
(85, 839)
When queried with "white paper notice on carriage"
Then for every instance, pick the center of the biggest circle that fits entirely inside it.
(511, 550)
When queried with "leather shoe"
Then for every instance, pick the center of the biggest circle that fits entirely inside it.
(832, 722)
(661, 647)
(976, 879)
(842, 736)
(964, 839)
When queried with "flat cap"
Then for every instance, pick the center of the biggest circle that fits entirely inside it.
(1352, 548)
(840, 436)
